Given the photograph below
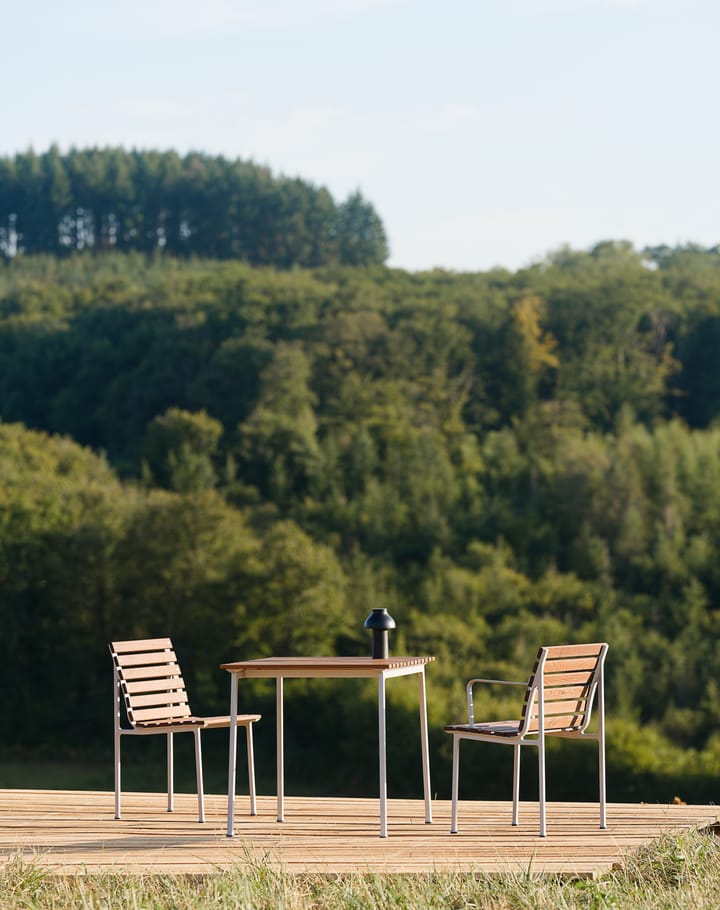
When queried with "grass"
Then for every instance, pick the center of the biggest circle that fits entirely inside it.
(674, 873)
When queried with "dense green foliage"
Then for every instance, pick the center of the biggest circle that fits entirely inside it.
(501, 459)
(195, 205)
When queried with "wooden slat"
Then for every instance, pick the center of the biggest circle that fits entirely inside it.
(147, 658)
(159, 699)
(495, 728)
(144, 644)
(224, 720)
(147, 714)
(273, 666)
(562, 694)
(164, 684)
(174, 724)
(165, 671)
(556, 723)
(559, 707)
(570, 665)
(566, 679)
(585, 650)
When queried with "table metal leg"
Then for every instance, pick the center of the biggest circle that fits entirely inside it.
(425, 746)
(280, 751)
(232, 755)
(382, 751)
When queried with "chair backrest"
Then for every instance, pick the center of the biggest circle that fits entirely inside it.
(148, 677)
(564, 680)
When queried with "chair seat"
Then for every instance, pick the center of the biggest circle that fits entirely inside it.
(224, 721)
(497, 728)
(205, 723)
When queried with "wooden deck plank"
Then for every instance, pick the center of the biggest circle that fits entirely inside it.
(74, 831)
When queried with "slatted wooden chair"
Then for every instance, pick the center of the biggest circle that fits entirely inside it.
(559, 695)
(149, 684)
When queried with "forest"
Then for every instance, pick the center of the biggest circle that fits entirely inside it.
(101, 199)
(249, 458)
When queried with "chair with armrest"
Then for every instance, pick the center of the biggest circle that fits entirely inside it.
(558, 699)
(149, 683)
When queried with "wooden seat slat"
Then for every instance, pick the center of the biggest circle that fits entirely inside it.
(496, 728)
(224, 721)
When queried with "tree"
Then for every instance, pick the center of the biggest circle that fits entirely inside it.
(180, 447)
(361, 238)
(278, 441)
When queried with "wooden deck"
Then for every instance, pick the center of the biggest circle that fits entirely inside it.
(74, 831)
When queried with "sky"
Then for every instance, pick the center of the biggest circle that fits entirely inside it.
(485, 132)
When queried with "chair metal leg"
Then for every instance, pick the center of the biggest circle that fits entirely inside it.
(199, 776)
(601, 746)
(601, 750)
(280, 748)
(455, 784)
(541, 781)
(516, 783)
(251, 769)
(232, 756)
(117, 773)
(170, 773)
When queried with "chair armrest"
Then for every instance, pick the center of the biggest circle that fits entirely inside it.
(472, 682)
(502, 682)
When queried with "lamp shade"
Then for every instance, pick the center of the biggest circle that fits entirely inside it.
(379, 618)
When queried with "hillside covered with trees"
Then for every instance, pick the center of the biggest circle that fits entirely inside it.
(249, 459)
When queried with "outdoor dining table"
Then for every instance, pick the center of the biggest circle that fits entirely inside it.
(282, 668)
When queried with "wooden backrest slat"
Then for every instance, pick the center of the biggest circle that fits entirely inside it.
(150, 714)
(567, 722)
(571, 664)
(143, 644)
(559, 707)
(159, 700)
(147, 658)
(577, 693)
(554, 652)
(565, 679)
(165, 671)
(164, 684)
